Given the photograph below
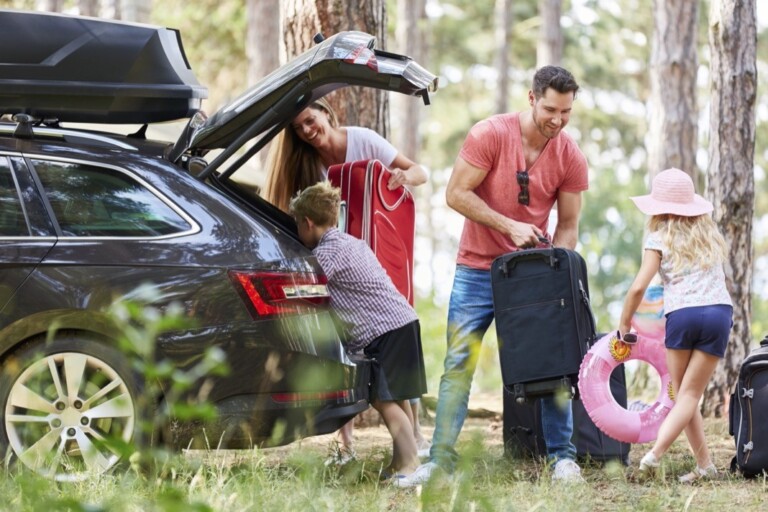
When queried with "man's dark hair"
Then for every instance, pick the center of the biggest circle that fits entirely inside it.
(559, 79)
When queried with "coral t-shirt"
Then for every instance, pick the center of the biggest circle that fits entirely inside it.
(495, 145)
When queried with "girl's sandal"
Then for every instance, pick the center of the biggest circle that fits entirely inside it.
(699, 474)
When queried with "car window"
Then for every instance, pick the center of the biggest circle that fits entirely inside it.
(98, 201)
(11, 213)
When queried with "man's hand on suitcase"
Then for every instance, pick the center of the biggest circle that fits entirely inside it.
(525, 236)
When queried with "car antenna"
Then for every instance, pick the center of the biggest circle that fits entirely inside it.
(318, 38)
(24, 129)
(141, 133)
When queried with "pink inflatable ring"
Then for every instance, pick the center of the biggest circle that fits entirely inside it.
(614, 420)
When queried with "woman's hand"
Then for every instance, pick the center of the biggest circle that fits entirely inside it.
(397, 178)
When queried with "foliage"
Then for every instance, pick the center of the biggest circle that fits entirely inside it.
(140, 324)
(294, 478)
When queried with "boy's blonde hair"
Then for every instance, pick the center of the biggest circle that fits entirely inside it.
(690, 241)
(319, 203)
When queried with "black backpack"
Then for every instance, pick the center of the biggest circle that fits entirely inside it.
(748, 414)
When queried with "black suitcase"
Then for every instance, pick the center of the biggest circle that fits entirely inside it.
(748, 414)
(523, 436)
(544, 323)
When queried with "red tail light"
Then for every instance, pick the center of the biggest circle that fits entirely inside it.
(281, 293)
(364, 56)
(308, 397)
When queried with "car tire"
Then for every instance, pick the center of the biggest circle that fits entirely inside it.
(61, 437)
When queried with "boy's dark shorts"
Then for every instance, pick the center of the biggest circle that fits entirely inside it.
(397, 366)
(705, 328)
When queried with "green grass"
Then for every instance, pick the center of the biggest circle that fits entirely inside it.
(294, 478)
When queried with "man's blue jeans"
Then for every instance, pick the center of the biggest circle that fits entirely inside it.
(470, 313)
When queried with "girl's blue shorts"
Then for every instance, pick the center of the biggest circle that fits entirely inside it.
(704, 328)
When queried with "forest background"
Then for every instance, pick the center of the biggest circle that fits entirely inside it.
(610, 46)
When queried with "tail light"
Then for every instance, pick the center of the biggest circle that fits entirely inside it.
(310, 397)
(364, 56)
(281, 293)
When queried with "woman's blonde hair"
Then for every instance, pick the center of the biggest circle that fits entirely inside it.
(318, 202)
(293, 164)
(690, 241)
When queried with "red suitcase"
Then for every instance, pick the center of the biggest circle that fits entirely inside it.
(383, 218)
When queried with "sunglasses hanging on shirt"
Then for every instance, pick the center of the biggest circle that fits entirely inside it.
(522, 180)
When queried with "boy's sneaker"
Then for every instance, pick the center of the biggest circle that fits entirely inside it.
(419, 477)
(340, 457)
(699, 474)
(567, 471)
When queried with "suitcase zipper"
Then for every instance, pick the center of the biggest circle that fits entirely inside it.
(542, 303)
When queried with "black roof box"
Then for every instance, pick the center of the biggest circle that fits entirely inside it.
(90, 70)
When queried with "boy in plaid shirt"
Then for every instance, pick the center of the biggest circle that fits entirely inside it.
(379, 320)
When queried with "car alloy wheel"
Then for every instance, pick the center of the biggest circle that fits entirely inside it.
(68, 413)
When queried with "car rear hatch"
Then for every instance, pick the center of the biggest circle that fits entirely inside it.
(347, 58)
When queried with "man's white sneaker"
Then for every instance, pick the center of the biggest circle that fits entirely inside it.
(567, 471)
(419, 477)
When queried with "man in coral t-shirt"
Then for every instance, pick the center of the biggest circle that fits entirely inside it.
(510, 172)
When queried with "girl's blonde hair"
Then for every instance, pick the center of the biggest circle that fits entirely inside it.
(690, 241)
(293, 164)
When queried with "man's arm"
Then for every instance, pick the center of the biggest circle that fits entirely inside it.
(568, 211)
(460, 195)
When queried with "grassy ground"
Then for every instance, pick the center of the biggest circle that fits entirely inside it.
(295, 478)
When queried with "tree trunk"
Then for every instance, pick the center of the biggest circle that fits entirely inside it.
(549, 49)
(88, 7)
(503, 14)
(302, 19)
(262, 31)
(136, 10)
(673, 133)
(733, 71)
(411, 38)
(410, 41)
(355, 106)
(53, 5)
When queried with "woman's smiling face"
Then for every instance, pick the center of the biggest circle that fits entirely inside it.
(313, 126)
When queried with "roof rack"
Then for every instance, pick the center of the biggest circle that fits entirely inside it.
(26, 129)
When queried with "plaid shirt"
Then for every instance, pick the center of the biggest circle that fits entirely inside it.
(362, 294)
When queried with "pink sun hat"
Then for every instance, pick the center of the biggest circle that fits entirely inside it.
(672, 192)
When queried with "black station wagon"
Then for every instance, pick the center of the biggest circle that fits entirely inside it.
(89, 217)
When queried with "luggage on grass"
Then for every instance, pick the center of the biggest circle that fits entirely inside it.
(524, 438)
(748, 414)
